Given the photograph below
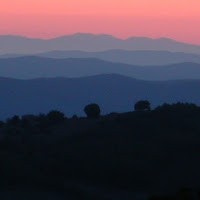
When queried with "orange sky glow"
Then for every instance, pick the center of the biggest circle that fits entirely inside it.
(176, 19)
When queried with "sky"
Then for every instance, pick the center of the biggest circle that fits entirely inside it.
(175, 19)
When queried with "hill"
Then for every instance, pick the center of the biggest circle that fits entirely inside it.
(112, 92)
(90, 42)
(29, 67)
(117, 156)
(146, 58)
(129, 57)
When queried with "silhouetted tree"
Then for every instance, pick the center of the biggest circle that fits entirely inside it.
(56, 116)
(28, 120)
(15, 120)
(92, 110)
(142, 106)
(75, 117)
(183, 107)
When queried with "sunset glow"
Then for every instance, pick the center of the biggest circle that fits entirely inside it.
(175, 19)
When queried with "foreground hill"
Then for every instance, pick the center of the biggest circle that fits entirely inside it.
(122, 56)
(36, 67)
(90, 42)
(116, 156)
(112, 92)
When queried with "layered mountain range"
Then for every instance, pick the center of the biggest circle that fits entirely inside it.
(69, 72)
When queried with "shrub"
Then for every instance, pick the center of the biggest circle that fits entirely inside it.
(142, 106)
(92, 110)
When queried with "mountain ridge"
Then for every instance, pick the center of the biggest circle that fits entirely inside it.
(114, 93)
(91, 42)
(145, 57)
(35, 67)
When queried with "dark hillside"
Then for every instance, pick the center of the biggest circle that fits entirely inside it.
(145, 152)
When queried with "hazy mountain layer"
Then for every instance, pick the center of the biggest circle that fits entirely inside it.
(114, 93)
(90, 42)
(36, 67)
(123, 56)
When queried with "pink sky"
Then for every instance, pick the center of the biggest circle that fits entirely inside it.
(176, 19)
